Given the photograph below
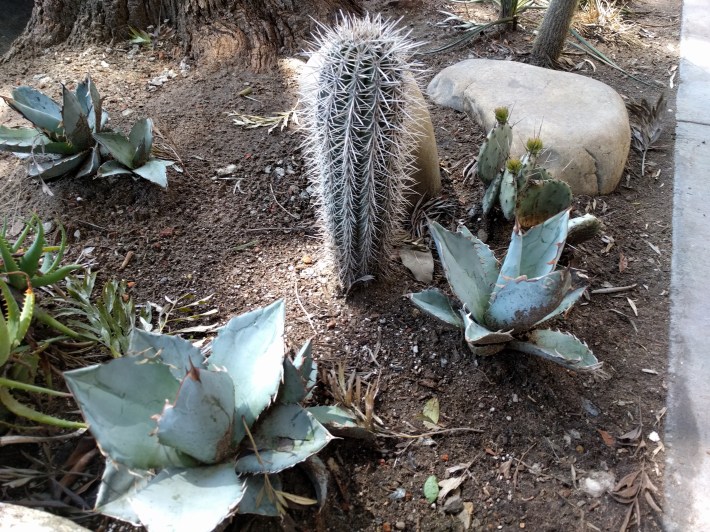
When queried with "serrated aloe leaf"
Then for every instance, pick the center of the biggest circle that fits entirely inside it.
(5, 342)
(199, 423)
(76, 125)
(29, 262)
(154, 171)
(543, 245)
(522, 302)
(113, 168)
(562, 348)
(118, 146)
(293, 390)
(118, 400)
(54, 168)
(118, 485)
(178, 354)
(340, 422)
(508, 195)
(438, 304)
(190, 500)
(306, 366)
(566, 303)
(492, 193)
(288, 435)
(22, 139)
(141, 139)
(91, 165)
(251, 348)
(469, 266)
(257, 497)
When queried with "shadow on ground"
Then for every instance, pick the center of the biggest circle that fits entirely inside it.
(15, 14)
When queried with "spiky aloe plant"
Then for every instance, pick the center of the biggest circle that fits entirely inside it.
(502, 306)
(360, 104)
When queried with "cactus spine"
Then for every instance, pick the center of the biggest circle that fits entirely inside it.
(358, 95)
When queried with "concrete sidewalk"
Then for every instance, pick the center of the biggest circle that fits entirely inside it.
(687, 482)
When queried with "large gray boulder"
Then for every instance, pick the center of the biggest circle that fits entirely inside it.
(23, 519)
(582, 122)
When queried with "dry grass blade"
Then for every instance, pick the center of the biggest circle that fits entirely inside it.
(646, 125)
(280, 120)
(434, 209)
(349, 393)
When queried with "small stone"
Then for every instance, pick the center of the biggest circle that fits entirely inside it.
(330, 325)
(126, 112)
(453, 505)
(400, 525)
(307, 259)
(386, 527)
(226, 170)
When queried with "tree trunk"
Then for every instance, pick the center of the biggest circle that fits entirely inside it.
(246, 32)
(552, 32)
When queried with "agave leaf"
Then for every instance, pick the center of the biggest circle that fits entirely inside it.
(113, 168)
(82, 96)
(76, 125)
(118, 485)
(22, 139)
(200, 421)
(257, 499)
(251, 348)
(438, 304)
(141, 139)
(92, 163)
(154, 171)
(340, 422)
(542, 246)
(492, 193)
(522, 302)
(196, 499)
(293, 390)
(570, 299)
(469, 265)
(118, 145)
(478, 335)
(510, 269)
(562, 348)
(286, 436)
(178, 354)
(118, 400)
(319, 476)
(38, 108)
(306, 366)
(54, 168)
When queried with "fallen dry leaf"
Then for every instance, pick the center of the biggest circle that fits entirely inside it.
(607, 438)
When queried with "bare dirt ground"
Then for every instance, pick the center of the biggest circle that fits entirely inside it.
(250, 239)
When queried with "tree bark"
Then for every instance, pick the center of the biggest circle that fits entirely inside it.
(552, 32)
(246, 32)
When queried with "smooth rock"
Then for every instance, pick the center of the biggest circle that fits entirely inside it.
(582, 122)
(23, 519)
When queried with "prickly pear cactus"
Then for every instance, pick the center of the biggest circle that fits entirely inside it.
(359, 101)
(496, 148)
(540, 200)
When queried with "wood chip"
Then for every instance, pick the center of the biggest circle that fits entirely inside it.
(614, 289)
(649, 371)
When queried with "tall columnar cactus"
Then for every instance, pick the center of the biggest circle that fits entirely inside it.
(359, 91)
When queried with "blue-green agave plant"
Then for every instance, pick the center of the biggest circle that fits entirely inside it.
(68, 138)
(191, 440)
(503, 305)
(61, 140)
